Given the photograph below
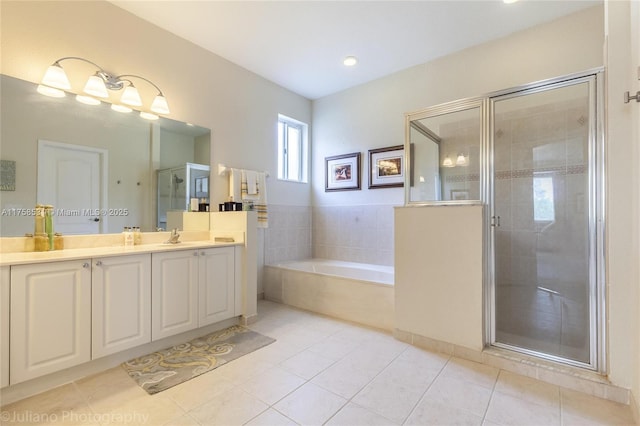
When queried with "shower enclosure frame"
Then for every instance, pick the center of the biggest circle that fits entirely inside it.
(596, 205)
(596, 217)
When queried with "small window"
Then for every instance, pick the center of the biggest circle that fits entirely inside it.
(292, 149)
(543, 200)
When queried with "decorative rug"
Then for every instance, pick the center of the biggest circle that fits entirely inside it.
(168, 367)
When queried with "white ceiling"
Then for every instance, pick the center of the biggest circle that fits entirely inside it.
(300, 45)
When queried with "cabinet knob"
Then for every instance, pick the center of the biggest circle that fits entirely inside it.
(201, 253)
(99, 263)
(85, 265)
(195, 253)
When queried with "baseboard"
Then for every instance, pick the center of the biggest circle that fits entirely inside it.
(574, 378)
(635, 410)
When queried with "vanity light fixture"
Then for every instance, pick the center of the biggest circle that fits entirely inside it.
(462, 160)
(55, 82)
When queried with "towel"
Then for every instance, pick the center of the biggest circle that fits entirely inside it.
(239, 191)
(235, 176)
(261, 204)
(252, 182)
(249, 185)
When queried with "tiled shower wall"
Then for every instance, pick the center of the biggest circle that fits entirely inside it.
(354, 233)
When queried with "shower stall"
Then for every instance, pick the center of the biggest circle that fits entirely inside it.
(533, 157)
(546, 210)
(177, 185)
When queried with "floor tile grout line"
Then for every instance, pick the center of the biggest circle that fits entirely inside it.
(350, 400)
(425, 391)
(493, 391)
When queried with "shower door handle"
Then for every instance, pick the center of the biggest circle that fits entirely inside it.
(495, 221)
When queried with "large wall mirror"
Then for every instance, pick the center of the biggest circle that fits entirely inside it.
(99, 168)
(444, 146)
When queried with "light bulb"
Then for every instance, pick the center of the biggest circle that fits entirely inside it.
(95, 86)
(131, 96)
(350, 61)
(56, 77)
(461, 160)
(160, 105)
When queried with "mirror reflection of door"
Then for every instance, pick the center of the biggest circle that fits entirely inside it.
(71, 178)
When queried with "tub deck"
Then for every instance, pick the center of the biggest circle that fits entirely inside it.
(355, 292)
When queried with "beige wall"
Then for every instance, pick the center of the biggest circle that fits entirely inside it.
(239, 107)
(438, 274)
(623, 195)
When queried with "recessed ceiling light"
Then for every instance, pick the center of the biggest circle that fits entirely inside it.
(350, 61)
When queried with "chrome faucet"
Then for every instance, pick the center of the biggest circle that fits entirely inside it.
(173, 239)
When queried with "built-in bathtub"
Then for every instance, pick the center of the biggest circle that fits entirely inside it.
(357, 292)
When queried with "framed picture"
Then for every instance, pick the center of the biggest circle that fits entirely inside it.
(386, 167)
(342, 172)
(459, 194)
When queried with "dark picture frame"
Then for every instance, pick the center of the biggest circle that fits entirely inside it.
(342, 172)
(387, 167)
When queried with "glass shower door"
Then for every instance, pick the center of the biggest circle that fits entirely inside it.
(542, 222)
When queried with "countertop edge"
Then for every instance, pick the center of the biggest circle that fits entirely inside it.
(22, 258)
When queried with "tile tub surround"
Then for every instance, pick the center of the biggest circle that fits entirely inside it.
(361, 233)
(288, 236)
(325, 371)
(354, 299)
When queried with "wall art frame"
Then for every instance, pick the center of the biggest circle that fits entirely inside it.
(387, 167)
(342, 172)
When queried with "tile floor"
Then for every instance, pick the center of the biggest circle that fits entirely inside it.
(323, 371)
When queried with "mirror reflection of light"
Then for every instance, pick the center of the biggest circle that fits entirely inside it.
(120, 108)
(51, 91)
(148, 116)
(447, 162)
(87, 100)
(421, 179)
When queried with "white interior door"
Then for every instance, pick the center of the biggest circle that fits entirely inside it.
(72, 179)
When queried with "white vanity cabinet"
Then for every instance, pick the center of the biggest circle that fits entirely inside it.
(121, 303)
(174, 292)
(191, 289)
(50, 317)
(216, 285)
(5, 284)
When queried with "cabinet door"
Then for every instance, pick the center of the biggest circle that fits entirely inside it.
(174, 292)
(121, 303)
(50, 318)
(216, 285)
(5, 283)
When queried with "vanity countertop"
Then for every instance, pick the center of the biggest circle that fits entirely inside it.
(21, 258)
